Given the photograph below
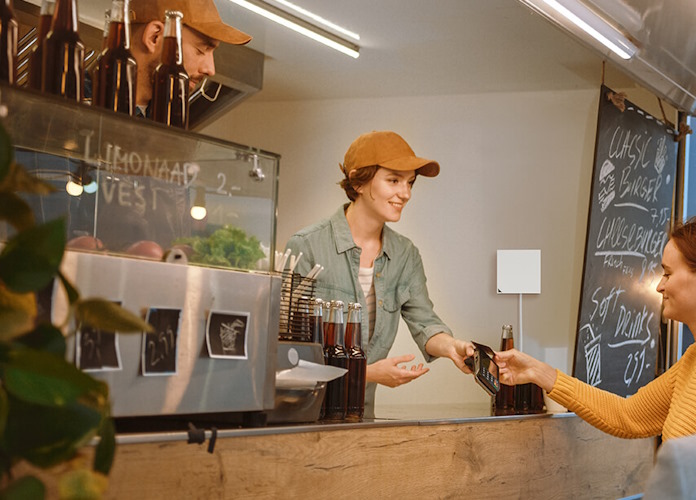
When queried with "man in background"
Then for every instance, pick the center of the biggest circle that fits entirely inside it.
(203, 31)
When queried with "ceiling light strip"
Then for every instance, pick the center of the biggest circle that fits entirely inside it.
(318, 19)
(588, 21)
(300, 26)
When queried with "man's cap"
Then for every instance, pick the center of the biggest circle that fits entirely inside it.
(386, 149)
(201, 15)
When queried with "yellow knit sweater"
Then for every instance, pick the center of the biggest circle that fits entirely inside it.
(666, 406)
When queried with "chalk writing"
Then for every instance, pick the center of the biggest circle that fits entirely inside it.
(630, 209)
(160, 347)
(97, 350)
(226, 334)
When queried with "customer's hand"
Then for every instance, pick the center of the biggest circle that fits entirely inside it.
(516, 368)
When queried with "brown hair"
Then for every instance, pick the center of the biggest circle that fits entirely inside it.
(684, 236)
(358, 177)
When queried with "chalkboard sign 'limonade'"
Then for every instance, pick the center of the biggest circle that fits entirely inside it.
(35, 58)
(117, 69)
(8, 43)
(357, 364)
(335, 355)
(62, 67)
(170, 91)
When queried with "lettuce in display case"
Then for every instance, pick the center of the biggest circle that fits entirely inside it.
(227, 247)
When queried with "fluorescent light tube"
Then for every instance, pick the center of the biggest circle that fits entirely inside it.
(318, 19)
(300, 26)
(592, 24)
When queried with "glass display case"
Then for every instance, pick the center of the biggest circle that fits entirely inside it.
(174, 226)
(132, 186)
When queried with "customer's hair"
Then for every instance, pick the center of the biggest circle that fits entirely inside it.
(684, 236)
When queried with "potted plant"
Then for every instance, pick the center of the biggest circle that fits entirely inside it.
(49, 409)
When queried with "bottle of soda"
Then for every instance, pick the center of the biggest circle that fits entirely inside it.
(35, 58)
(318, 337)
(63, 58)
(117, 69)
(335, 355)
(8, 43)
(505, 397)
(95, 65)
(318, 321)
(357, 364)
(170, 88)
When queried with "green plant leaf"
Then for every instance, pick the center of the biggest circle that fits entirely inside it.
(83, 484)
(30, 259)
(15, 210)
(18, 180)
(106, 449)
(70, 290)
(105, 315)
(43, 378)
(24, 488)
(13, 323)
(45, 337)
(46, 437)
(6, 153)
(17, 313)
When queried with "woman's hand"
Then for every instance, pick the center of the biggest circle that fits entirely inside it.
(444, 345)
(388, 372)
(516, 367)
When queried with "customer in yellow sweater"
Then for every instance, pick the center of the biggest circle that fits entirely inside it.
(667, 405)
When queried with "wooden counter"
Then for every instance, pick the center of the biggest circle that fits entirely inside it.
(544, 456)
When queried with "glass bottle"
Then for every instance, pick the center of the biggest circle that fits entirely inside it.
(505, 397)
(95, 66)
(357, 364)
(318, 321)
(170, 88)
(318, 338)
(335, 355)
(45, 18)
(8, 43)
(117, 69)
(63, 59)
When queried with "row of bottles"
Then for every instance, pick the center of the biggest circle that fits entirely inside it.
(57, 62)
(345, 396)
(520, 399)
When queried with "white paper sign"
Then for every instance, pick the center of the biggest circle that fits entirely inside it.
(519, 271)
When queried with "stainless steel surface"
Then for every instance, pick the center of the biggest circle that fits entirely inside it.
(301, 404)
(662, 31)
(201, 384)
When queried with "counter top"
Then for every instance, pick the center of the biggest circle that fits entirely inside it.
(393, 416)
(532, 456)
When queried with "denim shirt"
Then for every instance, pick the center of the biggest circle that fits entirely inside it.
(399, 279)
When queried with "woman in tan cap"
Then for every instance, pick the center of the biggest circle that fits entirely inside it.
(368, 262)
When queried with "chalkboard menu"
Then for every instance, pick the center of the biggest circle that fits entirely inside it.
(630, 210)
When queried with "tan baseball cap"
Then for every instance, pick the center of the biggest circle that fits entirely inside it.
(201, 15)
(386, 149)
